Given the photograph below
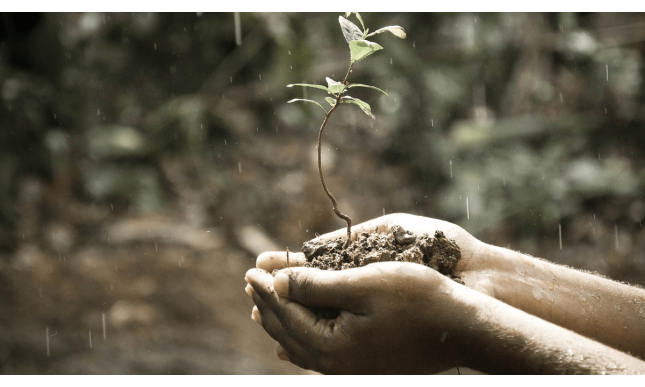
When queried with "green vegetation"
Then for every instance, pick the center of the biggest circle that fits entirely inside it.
(359, 48)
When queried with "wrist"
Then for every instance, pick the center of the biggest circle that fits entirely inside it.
(483, 267)
(452, 320)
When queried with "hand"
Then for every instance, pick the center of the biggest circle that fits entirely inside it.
(395, 317)
(554, 293)
(473, 268)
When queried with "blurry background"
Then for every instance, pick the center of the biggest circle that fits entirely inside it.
(146, 159)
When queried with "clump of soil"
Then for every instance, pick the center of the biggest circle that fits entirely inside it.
(438, 252)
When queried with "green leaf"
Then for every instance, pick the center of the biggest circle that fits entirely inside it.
(330, 100)
(365, 107)
(358, 16)
(360, 49)
(397, 31)
(361, 85)
(350, 30)
(308, 100)
(310, 85)
(334, 87)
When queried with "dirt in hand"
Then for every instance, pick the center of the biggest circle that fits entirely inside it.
(438, 252)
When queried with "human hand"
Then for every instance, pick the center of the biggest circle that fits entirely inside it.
(395, 317)
(473, 267)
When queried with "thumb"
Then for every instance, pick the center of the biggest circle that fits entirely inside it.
(321, 288)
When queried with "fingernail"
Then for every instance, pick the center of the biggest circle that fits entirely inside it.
(282, 354)
(255, 315)
(249, 290)
(281, 284)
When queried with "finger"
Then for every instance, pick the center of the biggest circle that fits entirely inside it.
(301, 361)
(249, 290)
(282, 353)
(297, 354)
(270, 322)
(272, 260)
(295, 320)
(255, 315)
(323, 288)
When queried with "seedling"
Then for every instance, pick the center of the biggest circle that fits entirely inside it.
(359, 49)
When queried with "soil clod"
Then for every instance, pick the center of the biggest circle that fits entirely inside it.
(438, 252)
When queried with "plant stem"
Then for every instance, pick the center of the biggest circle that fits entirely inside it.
(322, 179)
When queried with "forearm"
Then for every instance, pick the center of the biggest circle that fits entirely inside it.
(505, 340)
(607, 311)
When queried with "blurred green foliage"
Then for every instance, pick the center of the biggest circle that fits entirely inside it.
(538, 114)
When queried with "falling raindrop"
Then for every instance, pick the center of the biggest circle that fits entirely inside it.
(607, 69)
(103, 316)
(289, 51)
(432, 122)
(47, 335)
(616, 230)
(451, 169)
(238, 29)
(561, 98)
(54, 115)
(260, 75)
(224, 142)
(231, 79)
(155, 46)
(90, 339)
(383, 211)
(390, 60)
(560, 234)
(467, 209)
(239, 166)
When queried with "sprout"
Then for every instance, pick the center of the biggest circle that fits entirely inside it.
(359, 49)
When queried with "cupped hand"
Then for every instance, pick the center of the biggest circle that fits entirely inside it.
(474, 267)
(395, 317)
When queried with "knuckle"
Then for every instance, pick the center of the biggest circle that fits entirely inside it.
(307, 288)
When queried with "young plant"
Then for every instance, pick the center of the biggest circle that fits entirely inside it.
(359, 49)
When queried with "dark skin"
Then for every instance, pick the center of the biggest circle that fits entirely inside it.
(406, 318)
(355, 342)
